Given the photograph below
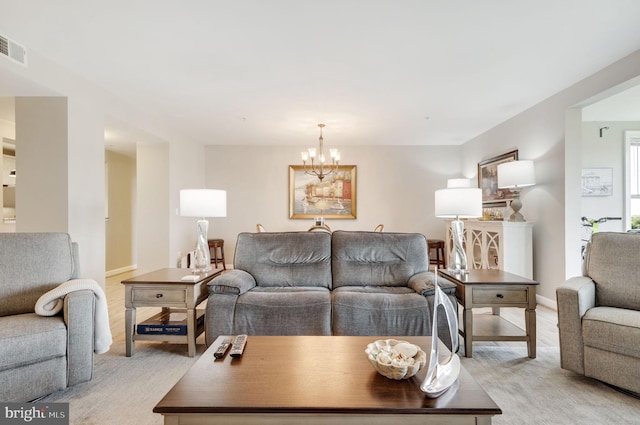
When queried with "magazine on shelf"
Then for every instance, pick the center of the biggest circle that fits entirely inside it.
(169, 323)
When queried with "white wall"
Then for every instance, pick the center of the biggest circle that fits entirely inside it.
(187, 172)
(121, 249)
(42, 190)
(395, 187)
(550, 134)
(87, 107)
(607, 151)
(152, 221)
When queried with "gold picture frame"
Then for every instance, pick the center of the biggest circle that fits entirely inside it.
(492, 196)
(332, 198)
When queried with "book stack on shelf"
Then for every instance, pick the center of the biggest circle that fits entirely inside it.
(169, 322)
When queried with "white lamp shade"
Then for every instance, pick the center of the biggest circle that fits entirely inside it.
(452, 183)
(203, 203)
(463, 202)
(516, 174)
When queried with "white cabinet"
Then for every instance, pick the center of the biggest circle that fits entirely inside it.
(503, 245)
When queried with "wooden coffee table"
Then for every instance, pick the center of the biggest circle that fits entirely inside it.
(312, 380)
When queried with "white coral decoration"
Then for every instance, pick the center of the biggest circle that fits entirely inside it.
(396, 359)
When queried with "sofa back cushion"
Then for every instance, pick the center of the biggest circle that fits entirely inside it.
(377, 259)
(612, 263)
(30, 265)
(285, 258)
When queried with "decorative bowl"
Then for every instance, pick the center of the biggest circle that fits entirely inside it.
(395, 359)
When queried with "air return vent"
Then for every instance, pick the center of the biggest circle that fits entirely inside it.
(13, 50)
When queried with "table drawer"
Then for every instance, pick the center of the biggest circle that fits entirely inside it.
(500, 296)
(160, 296)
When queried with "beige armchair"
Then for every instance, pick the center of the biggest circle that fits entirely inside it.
(599, 313)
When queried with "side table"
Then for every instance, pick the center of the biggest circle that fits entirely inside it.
(164, 288)
(495, 289)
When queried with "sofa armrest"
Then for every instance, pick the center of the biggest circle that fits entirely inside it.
(234, 282)
(78, 314)
(423, 283)
(574, 298)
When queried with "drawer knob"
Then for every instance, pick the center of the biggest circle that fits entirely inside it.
(499, 295)
(158, 295)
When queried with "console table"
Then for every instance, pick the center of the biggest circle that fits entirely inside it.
(164, 288)
(504, 245)
(495, 289)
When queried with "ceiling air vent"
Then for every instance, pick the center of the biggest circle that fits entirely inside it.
(13, 50)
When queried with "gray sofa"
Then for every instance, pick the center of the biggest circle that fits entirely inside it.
(318, 283)
(599, 313)
(39, 354)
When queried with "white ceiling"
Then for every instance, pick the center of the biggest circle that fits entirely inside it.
(406, 72)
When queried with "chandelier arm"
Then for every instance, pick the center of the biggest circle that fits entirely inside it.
(319, 169)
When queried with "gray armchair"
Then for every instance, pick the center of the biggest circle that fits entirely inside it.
(599, 313)
(42, 354)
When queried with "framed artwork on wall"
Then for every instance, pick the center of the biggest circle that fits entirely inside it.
(492, 196)
(597, 182)
(333, 197)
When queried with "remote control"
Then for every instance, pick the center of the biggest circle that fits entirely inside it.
(222, 348)
(238, 346)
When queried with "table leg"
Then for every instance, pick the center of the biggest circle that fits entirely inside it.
(130, 321)
(191, 331)
(530, 323)
(467, 323)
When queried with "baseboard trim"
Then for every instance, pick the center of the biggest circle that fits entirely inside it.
(114, 272)
(549, 303)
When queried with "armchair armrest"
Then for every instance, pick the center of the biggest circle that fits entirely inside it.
(235, 282)
(78, 314)
(423, 283)
(574, 298)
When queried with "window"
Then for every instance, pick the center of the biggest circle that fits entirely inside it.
(633, 178)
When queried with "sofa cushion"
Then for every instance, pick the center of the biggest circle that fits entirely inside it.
(424, 283)
(32, 264)
(284, 311)
(379, 310)
(286, 258)
(28, 338)
(612, 329)
(377, 258)
(607, 263)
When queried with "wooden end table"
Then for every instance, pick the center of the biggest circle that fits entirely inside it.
(495, 289)
(164, 288)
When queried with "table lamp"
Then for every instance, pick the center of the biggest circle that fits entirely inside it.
(515, 175)
(458, 202)
(203, 203)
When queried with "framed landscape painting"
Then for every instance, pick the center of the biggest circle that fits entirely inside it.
(333, 197)
(492, 196)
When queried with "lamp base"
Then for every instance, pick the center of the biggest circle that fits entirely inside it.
(516, 204)
(202, 257)
(457, 257)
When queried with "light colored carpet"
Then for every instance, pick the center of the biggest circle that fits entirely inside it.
(537, 391)
(529, 391)
(124, 390)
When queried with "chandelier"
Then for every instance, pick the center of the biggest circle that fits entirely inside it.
(320, 170)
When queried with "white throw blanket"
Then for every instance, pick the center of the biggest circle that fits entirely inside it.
(52, 302)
